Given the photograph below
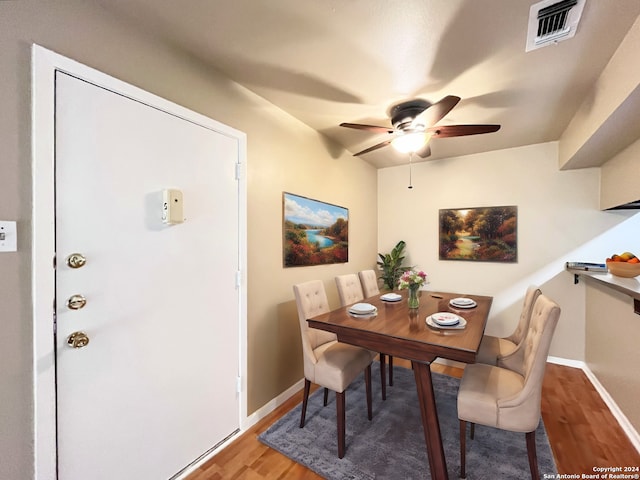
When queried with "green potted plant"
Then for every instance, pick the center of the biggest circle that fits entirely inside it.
(391, 265)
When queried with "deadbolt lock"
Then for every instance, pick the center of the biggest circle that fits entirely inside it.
(76, 260)
(76, 302)
(78, 340)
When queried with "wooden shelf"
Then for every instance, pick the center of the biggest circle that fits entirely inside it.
(628, 286)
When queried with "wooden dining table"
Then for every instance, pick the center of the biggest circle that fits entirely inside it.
(401, 332)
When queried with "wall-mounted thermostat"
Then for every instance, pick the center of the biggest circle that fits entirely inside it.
(172, 207)
(8, 237)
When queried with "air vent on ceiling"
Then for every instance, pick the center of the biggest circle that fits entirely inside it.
(552, 21)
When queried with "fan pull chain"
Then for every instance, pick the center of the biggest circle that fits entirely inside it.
(410, 160)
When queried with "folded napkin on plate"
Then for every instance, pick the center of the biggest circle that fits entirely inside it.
(445, 318)
(462, 323)
(391, 297)
(362, 308)
(462, 301)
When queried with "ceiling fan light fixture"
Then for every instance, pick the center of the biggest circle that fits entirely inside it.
(414, 124)
(410, 142)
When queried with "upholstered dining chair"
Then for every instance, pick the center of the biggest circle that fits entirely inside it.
(508, 351)
(350, 291)
(327, 362)
(369, 282)
(507, 399)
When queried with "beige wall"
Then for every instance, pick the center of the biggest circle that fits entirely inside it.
(283, 155)
(558, 221)
(612, 352)
(620, 175)
(601, 126)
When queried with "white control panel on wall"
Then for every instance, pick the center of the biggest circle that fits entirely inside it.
(8, 236)
(172, 206)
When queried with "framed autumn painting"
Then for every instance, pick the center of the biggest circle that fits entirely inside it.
(314, 232)
(484, 234)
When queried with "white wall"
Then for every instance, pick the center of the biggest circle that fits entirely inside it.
(558, 221)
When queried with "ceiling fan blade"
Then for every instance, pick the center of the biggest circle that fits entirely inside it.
(445, 131)
(424, 152)
(437, 111)
(370, 128)
(375, 147)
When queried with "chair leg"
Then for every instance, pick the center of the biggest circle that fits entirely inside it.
(473, 431)
(390, 370)
(305, 397)
(383, 375)
(367, 384)
(326, 396)
(463, 448)
(531, 452)
(340, 414)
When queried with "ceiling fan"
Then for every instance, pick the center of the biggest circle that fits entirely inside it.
(413, 126)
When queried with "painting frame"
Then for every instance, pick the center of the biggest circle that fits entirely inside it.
(478, 234)
(314, 232)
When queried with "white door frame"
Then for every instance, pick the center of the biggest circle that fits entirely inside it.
(44, 65)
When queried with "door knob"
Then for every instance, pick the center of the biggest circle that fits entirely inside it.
(78, 340)
(76, 302)
(76, 260)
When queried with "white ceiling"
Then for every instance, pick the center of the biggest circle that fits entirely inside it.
(332, 61)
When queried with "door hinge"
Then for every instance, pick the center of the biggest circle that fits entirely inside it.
(238, 279)
(239, 384)
(239, 171)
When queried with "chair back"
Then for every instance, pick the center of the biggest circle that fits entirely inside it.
(521, 412)
(514, 360)
(311, 300)
(369, 283)
(349, 289)
(533, 292)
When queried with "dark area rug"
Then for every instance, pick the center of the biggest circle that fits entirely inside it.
(392, 446)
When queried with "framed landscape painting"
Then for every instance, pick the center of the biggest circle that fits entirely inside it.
(314, 232)
(484, 234)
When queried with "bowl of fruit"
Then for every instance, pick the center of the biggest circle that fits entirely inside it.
(624, 265)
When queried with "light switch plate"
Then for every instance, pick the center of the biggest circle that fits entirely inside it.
(8, 236)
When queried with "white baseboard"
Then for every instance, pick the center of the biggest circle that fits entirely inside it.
(622, 419)
(270, 406)
(567, 362)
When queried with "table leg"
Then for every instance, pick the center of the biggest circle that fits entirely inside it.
(433, 439)
(383, 375)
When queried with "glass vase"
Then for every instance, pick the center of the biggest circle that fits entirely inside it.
(413, 300)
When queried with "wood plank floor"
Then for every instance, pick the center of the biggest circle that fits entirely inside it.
(582, 431)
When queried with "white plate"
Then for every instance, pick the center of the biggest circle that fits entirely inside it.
(391, 297)
(461, 302)
(445, 318)
(362, 308)
(462, 323)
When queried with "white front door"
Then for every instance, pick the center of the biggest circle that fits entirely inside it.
(156, 386)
